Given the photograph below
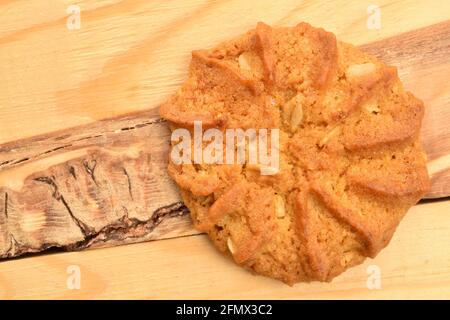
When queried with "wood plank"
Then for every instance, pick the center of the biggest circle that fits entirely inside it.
(105, 183)
(414, 266)
(101, 184)
(129, 55)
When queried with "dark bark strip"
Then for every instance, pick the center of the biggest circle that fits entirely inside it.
(129, 183)
(90, 169)
(56, 149)
(84, 228)
(72, 172)
(123, 228)
(21, 160)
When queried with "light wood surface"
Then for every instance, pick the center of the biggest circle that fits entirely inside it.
(415, 265)
(105, 183)
(128, 56)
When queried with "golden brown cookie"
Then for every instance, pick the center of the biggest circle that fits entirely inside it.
(351, 163)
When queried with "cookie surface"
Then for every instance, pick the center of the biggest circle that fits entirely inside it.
(350, 160)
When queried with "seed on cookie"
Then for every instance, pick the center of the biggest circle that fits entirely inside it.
(244, 62)
(358, 70)
(286, 111)
(263, 169)
(231, 246)
(327, 137)
(292, 112)
(280, 210)
(296, 117)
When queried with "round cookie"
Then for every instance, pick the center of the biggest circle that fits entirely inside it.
(351, 163)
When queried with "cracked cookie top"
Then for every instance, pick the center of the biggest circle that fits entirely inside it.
(350, 165)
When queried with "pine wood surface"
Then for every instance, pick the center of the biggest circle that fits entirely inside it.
(88, 98)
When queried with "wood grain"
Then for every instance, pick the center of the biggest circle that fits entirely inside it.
(102, 184)
(416, 265)
(105, 183)
(130, 55)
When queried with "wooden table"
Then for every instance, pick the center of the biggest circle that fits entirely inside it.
(129, 56)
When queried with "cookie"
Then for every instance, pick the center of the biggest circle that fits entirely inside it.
(350, 160)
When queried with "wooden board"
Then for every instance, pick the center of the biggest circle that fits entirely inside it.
(128, 56)
(415, 265)
(105, 183)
